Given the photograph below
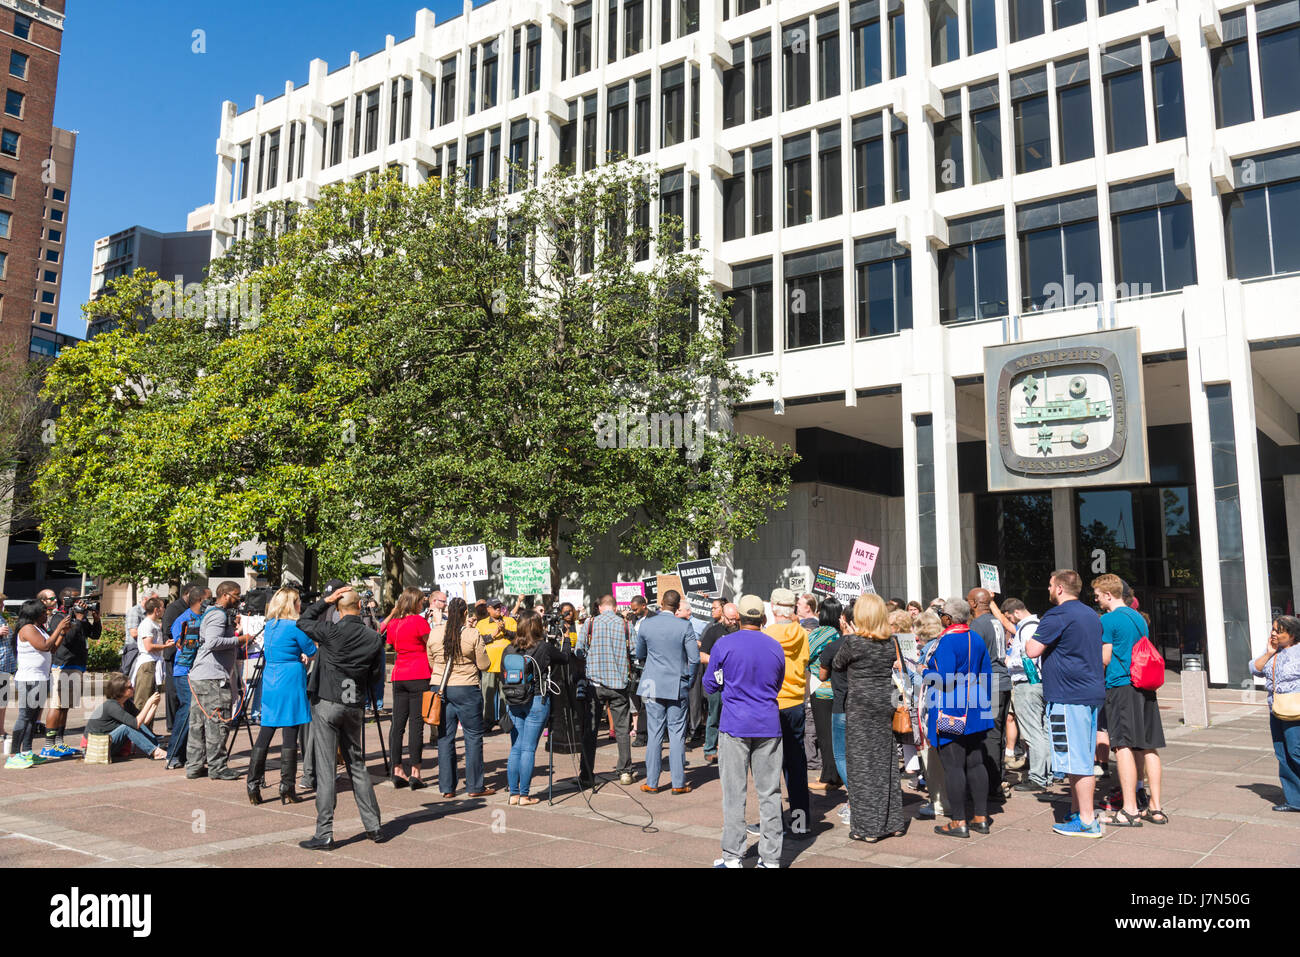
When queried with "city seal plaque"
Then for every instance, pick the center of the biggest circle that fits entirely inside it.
(1066, 412)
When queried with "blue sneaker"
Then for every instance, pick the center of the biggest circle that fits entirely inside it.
(50, 752)
(62, 751)
(1076, 828)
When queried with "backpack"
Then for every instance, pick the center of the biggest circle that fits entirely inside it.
(1146, 667)
(521, 679)
(1031, 669)
(191, 641)
(130, 654)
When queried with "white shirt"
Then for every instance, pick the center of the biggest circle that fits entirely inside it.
(33, 665)
(152, 630)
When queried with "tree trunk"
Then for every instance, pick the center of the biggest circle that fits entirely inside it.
(275, 563)
(553, 551)
(394, 575)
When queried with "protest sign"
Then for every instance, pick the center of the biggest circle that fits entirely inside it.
(625, 591)
(573, 596)
(847, 588)
(651, 589)
(665, 582)
(460, 563)
(798, 583)
(463, 590)
(990, 579)
(862, 560)
(526, 576)
(701, 606)
(824, 582)
(697, 575)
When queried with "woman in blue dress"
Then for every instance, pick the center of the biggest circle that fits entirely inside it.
(285, 650)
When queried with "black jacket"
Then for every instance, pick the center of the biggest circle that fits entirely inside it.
(351, 658)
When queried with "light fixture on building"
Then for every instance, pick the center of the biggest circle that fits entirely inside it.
(778, 407)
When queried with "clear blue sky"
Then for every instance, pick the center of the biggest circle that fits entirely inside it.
(147, 108)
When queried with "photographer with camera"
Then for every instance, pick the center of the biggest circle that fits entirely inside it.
(69, 667)
(350, 659)
(211, 684)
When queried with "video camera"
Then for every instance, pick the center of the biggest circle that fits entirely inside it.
(80, 604)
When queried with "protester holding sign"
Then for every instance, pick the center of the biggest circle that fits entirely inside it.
(794, 642)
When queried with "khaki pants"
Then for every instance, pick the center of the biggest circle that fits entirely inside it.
(145, 685)
(934, 779)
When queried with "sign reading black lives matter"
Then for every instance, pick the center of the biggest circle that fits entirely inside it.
(701, 606)
(1066, 412)
(697, 576)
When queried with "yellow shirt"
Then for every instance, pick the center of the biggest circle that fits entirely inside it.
(495, 651)
(794, 642)
(487, 627)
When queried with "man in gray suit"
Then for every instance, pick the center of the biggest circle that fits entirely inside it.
(668, 646)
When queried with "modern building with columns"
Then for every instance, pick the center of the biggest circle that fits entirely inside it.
(895, 193)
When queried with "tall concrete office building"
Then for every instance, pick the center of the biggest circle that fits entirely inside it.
(1024, 272)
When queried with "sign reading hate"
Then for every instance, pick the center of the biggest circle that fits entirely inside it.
(460, 563)
(862, 560)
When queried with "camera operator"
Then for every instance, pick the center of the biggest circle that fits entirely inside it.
(211, 685)
(69, 667)
(350, 659)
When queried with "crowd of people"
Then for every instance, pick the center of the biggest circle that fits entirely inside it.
(967, 701)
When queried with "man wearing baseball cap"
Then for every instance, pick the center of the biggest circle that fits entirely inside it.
(793, 638)
(748, 668)
(497, 624)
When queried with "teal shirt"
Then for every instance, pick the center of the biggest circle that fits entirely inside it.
(1121, 629)
(817, 642)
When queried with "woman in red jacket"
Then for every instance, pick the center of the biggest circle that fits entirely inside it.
(407, 630)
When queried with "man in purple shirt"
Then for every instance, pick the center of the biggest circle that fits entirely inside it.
(748, 668)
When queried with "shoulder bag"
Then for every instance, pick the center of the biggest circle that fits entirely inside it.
(951, 725)
(902, 720)
(431, 701)
(1286, 707)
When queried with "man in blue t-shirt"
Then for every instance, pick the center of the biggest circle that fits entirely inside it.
(1132, 714)
(177, 750)
(1069, 640)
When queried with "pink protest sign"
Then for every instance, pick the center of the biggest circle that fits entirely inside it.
(863, 558)
(624, 592)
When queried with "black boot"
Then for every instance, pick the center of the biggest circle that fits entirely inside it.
(288, 770)
(256, 765)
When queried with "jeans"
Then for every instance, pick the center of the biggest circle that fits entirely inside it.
(334, 725)
(462, 706)
(711, 729)
(795, 765)
(407, 699)
(736, 758)
(144, 740)
(619, 704)
(31, 699)
(661, 711)
(208, 729)
(696, 699)
(839, 739)
(179, 744)
(1032, 720)
(821, 712)
(524, 736)
(1286, 745)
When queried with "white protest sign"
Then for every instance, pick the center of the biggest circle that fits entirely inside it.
(574, 596)
(463, 590)
(526, 576)
(460, 563)
(989, 578)
(847, 588)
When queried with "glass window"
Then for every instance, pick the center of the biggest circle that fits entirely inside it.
(948, 172)
(52, 255)
(569, 139)
(897, 46)
(6, 220)
(762, 180)
(828, 63)
(1126, 122)
(448, 90)
(762, 95)
(814, 309)
(751, 314)
(611, 32)
(1260, 230)
(6, 183)
(588, 133)
(884, 291)
(796, 64)
(616, 132)
(582, 38)
(372, 120)
(1154, 250)
(22, 27)
(488, 97)
(642, 116)
(986, 157)
(1279, 67)
(695, 102)
(798, 180)
(50, 276)
(688, 16)
(1074, 113)
(973, 281)
(47, 297)
(733, 90)
(673, 106)
(981, 25)
(518, 154)
(471, 101)
(866, 54)
(18, 64)
(671, 210)
(1066, 13)
(533, 59)
(14, 103)
(869, 171)
(828, 173)
(902, 179)
(1114, 6)
(58, 195)
(1060, 266)
(944, 32)
(1033, 134)
(1230, 65)
(9, 143)
(1026, 19)
(633, 27)
(733, 199)
(1167, 87)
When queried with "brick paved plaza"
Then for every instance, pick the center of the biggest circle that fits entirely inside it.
(1219, 785)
